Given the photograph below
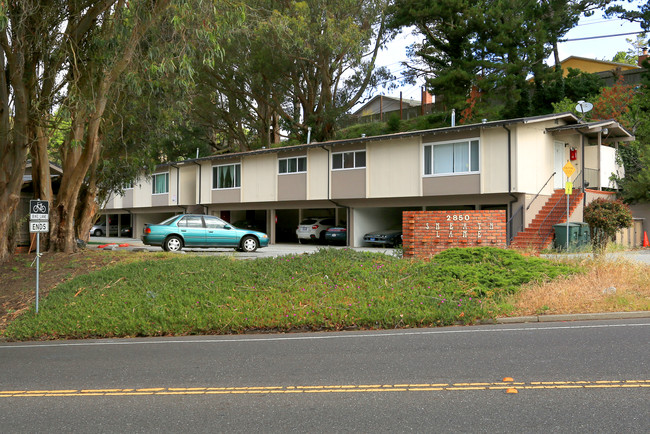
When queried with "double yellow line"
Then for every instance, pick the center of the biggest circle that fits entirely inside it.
(360, 388)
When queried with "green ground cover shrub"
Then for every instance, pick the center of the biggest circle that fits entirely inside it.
(333, 289)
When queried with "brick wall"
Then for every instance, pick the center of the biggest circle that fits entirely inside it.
(426, 233)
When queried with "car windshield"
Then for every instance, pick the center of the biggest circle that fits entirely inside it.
(308, 222)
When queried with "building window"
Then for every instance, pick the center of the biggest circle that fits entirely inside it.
(160, 183)
(292, 165)
(451, 158)
(227, 176)
(349, 160)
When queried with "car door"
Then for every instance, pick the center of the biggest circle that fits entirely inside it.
(219, 233)
(192, 229)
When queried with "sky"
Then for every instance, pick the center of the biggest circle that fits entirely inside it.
(596, 25)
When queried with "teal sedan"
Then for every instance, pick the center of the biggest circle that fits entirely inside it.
(195, 230)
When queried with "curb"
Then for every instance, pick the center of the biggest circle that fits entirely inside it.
(573, 317)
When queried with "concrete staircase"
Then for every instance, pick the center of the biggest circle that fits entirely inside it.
(539, 234)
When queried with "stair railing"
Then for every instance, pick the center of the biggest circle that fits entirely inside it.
(564, 213)
(515, 224)
(540, 190)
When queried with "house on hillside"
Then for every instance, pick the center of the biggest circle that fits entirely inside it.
(366, 183)
(608, 71)
(593, 65)
(380, 108)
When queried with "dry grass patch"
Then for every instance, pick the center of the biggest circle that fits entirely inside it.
(606, 286)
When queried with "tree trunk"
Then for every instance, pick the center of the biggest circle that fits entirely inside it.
(14, 146)
(87, 206)
(41, 166)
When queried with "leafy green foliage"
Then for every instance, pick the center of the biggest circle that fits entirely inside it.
(605, 218)
(493, 45)
(288, 67)
(433, 120)
(329, 290)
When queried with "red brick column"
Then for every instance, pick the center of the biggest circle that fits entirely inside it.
(426, 233)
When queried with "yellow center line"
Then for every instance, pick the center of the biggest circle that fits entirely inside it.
(348, 388)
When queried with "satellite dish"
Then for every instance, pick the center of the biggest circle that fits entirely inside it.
(584, 106)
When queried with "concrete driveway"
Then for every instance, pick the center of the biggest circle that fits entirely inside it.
(273, 250)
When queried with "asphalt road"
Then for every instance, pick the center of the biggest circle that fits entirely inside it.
(569, 377)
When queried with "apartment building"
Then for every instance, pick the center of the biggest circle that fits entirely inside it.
(366, 183)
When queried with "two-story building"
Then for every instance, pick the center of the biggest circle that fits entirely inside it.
(366, 183)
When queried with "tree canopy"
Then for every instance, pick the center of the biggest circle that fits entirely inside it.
(68, 67)
(493, 45)
(289, 67)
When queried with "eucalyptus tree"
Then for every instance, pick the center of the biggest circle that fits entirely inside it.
(292, 66)
(77, 56)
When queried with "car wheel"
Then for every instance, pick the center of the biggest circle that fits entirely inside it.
(321, 238)
(249, 244)
(98, 233)
(173, 244)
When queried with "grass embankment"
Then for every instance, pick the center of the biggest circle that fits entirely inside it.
(333, 289)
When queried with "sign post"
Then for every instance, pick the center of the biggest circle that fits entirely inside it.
(568, 189)
(39, 211)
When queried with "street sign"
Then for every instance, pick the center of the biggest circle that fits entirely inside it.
(39, 210)
(568, 188)
(568, 169)
(39, 226)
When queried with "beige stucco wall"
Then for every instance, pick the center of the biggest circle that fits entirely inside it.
(205, 194)
(317, 174)
(493, 153)
(127, 199)
(188, 185)
(113, 202)
(174, 186)
(142, 193)
(394, 168)
(533, 158)
(259, 178)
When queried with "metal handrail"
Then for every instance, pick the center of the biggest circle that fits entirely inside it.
(510, 224)
(564, 213)
(540, 190)
(551, 212)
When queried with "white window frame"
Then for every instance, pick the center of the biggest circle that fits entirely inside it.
(354, 154)
(153, 183)
(468, 141)
(297, 165)
(215, 179)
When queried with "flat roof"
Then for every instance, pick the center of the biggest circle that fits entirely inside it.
(568, 116)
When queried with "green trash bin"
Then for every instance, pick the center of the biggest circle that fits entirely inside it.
(561, 235)
(584, 235)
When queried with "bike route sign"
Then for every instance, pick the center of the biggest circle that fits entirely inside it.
(39, 210)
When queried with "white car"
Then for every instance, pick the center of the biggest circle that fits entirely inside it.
(313, 228)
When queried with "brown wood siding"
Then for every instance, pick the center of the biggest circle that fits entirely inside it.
(454, 184)
(226, 196)
(292, 186)
(349, 184)
(160, 199)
